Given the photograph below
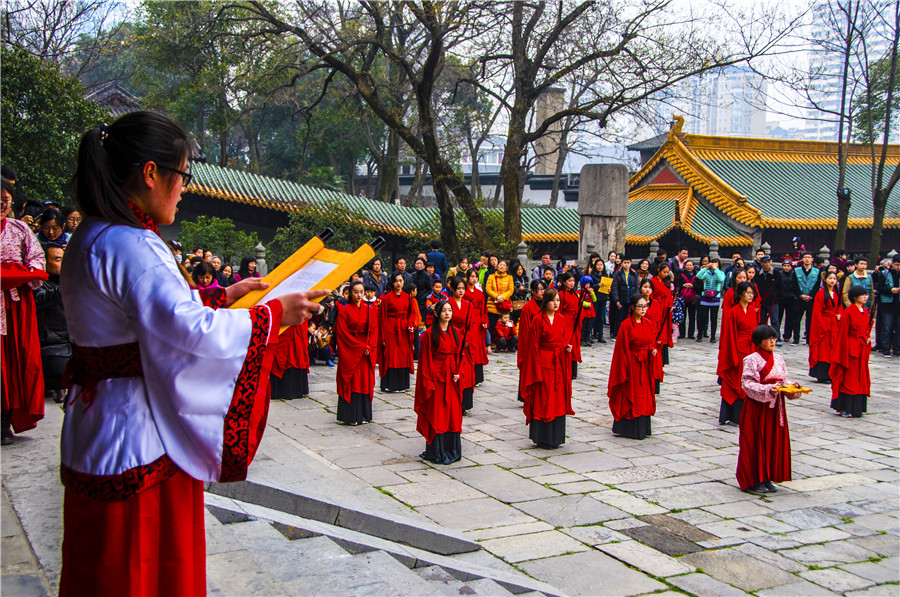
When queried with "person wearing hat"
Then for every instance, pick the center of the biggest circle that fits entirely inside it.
(768, 282)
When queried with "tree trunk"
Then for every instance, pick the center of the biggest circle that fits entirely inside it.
(223, 149)
(840, 235)
(510, 174)
(416, 186)
(879, 203)
(390, 166)
(448, 220)
(560, 162)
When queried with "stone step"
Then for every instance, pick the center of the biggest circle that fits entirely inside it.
(311, 506)
(232, 568)
(350, 541)
(445, 583)
(485, 586)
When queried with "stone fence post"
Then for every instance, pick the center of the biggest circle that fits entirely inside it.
(261, 266)
(522, 255)
(767, 248)
(714, 250)
(824, 252)
(654, 247)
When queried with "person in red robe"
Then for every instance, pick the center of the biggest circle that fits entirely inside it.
(849, 371)
(467, 323)
(166, 392)
(739, 319)
(764, 452)
(396, 326)
(826, 315)
(546, 378)
(290, 367)
(475, 296)
(655, 314)
(662, 295)
(632, 400)
(529, 311)
(438, 399)
(571, 307)
(22, 371)
(739, 275)
(757, 299)
(356, 331)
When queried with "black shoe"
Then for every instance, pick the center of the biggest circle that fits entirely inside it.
(712, 340)
(771, 487)
(795, 343)
(759, 488)
(6, 436)
(699, 338)
(690, 337)
(601, 341)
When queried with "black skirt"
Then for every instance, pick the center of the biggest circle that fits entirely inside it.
(574, 369)
(854, 405)
(548, 435)
(730, 412)
(665, 354)
(396, 380)
(636, 428)
(820, 372)
(468, 399)
(355, 412)
(293, 384)
(479, 374)
(445, 448)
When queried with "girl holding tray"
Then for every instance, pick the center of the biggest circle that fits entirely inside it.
(850, 382)
(438, 402)
(764, 453)
(147, 424)
(739, 319)
(356, 330)
(631, 377)
(397, 323)
(546, 374)
(826, 315)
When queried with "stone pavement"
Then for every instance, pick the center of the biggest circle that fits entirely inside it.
(599, 516)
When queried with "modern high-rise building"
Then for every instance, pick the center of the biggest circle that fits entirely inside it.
(826, 59)
(729, 101)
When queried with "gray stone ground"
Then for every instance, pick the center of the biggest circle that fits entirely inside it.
(599, 516)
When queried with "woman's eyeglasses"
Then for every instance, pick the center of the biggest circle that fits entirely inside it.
(186, 177)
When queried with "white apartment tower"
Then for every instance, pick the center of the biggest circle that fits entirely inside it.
(729, 102)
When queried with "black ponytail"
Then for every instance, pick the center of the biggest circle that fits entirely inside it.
(109, 156)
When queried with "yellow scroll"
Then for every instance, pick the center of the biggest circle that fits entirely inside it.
(311, 267)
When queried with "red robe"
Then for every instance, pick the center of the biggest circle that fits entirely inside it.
(631, 376)
(734, 345)
(395, 317)
(662, 295)
(467, 323)
(655, 314)
(476, 297)
(568, 308)
(764, 441)
(849, 369)
(22, 369)
(356, 330)
(823, 329)
(547, 370)
(438, 402)
(292, 350)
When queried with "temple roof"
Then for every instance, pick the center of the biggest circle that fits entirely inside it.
(769, 183)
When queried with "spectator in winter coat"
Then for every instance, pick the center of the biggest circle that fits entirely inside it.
(806, 282)
(51, 325)
(889, 298)
(505, 334)
(538, 272)
(375, 276)
(437, 257)
(859, 277)
(625, 284)
(768, 282)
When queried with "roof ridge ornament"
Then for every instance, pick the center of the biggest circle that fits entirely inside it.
(675, 126)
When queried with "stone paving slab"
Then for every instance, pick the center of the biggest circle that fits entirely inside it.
(520, 548)
(591, 573)
(646, 558)
(739, 569)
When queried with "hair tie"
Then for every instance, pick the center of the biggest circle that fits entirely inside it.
(103, 133)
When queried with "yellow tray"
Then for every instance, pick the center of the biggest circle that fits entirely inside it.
(793, 390)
